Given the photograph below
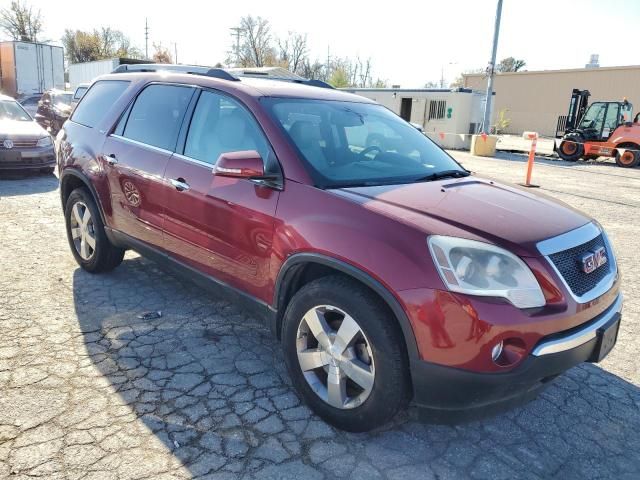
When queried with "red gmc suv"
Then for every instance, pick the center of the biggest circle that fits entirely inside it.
(389, 273)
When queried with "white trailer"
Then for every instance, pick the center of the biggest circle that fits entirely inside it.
(448, 117)
(30, 68)
(86, 72)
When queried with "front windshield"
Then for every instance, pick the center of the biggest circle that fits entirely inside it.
(347, 143)
(594, 117)
(12, 110)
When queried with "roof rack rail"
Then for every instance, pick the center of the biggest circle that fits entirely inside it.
(316, 83)
(189, 69)
(216, 73)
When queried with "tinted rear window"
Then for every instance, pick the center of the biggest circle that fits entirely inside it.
(157, 115)
(98, 100)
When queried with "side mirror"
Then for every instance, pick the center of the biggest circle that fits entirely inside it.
(242, 164)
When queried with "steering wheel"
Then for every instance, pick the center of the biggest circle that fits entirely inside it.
(370, 149)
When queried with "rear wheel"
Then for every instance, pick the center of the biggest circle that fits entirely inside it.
(572, 147)
(87, 238)
(345, 354)
(628, 158)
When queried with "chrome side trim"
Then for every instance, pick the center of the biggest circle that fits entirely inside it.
(141, 144)
(195, 161)
(572, 239)
(581, 336)
(569, 240)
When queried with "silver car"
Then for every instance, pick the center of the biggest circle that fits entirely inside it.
(24, 145)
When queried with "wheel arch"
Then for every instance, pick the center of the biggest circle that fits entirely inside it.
(301, 268)
(626, 144)
(70, 180)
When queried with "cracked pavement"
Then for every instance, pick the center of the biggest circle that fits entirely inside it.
(90, 390)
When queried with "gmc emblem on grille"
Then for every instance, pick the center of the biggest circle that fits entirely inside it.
(593, 260)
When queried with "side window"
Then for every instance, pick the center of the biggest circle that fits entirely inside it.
(157, 114)
(220, 124)
(612, 119)
(98, 100)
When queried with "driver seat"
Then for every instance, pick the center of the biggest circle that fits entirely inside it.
(306, 136)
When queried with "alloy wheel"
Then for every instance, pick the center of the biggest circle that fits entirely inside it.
(335, 357)
(82, 230)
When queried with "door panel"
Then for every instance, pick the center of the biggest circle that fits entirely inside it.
(137, 156)
(137, 188)
(220, 226)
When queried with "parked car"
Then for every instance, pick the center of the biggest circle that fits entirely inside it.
(24, 145)
(30, 104)
(387, 277)
(79, 93)
(53, 109)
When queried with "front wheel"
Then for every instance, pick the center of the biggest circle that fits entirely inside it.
(345, 354)
(572, 147)
(87, 238)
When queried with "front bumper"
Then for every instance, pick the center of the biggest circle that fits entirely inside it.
(27, 158)
(449, 390)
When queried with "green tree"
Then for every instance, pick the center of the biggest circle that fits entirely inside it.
(83, 46)
(253, 45)
(510, 64)
(20, 22)
(161, 54)
(339, 78)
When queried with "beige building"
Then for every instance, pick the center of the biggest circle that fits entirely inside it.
(535, 100)
(447, 116)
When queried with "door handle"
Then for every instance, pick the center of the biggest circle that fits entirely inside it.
(180, 184)
(111, 159)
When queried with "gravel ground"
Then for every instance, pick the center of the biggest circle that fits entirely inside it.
(90, 390)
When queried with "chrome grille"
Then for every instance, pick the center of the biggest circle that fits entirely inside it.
(20, 144)
(568, 263)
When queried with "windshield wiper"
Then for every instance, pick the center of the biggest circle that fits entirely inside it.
(444, 174)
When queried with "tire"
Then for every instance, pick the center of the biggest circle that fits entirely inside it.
(377, 351)
(571, 149)
(628, 159)
(102, 256)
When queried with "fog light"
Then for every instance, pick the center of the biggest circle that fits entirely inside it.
(508, 352)
(496, 351)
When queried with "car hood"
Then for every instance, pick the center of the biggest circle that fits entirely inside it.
(15, 128)
(473, 208)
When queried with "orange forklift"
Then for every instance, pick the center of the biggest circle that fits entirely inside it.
(602, 129)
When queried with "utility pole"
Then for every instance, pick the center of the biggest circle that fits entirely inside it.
(175, 52)
(328, 62)
(146, 38)
(236, 31)
(486, 124)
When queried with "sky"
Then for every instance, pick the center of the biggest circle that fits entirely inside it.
(409, 42)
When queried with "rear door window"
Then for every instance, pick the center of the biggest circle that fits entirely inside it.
(157, 114)
(98, 100)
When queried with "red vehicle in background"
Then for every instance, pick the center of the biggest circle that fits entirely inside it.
(389, 274)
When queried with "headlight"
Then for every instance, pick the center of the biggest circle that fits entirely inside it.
(477, 268)
(44, 142)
